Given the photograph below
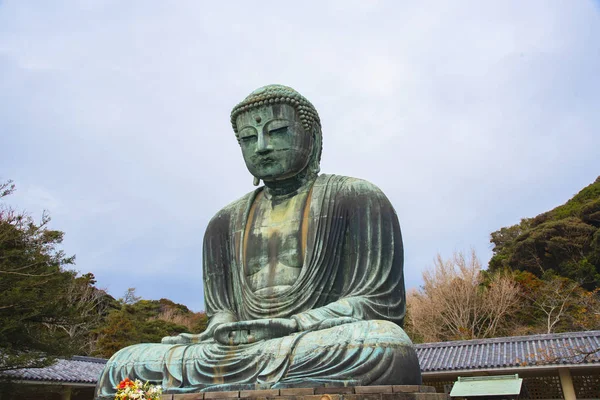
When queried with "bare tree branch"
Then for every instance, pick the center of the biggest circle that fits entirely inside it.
(456, 303)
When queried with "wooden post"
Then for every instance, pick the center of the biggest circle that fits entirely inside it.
(567, 383)
(66, 393)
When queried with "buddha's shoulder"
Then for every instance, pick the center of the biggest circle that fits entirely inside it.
(233, 208)
(347, 185)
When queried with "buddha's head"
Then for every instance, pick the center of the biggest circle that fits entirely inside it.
(279, 133)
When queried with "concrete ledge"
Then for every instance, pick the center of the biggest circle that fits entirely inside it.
(391, 392)
(297, 392)
(259, 393)
(373, 389)
(219, 395)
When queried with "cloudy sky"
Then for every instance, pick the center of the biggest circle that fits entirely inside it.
(114, 116)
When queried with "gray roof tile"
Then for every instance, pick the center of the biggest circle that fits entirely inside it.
(506, 352)
(76, 370)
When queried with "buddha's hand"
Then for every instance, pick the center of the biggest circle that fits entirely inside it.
(188, 338)
(244, 332)
(331, 322)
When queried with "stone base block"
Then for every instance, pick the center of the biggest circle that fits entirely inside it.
(393, 392)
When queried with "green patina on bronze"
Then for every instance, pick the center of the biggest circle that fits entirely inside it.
(303, 277)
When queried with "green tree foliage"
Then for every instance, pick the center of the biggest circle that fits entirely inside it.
(564, 241)
(41, 301)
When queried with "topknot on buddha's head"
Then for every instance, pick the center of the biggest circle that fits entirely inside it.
(278, 94)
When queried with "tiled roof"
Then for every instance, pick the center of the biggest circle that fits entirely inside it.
(511, 352)
(83, 370)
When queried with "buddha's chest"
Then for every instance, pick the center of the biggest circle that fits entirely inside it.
(273, 244)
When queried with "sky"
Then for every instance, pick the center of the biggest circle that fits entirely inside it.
(114, 117)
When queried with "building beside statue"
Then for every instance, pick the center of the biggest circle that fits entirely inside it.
(553, 366)
(67, 379)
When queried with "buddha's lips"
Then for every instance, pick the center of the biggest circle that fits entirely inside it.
(265, 160)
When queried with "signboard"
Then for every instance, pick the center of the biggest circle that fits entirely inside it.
(474, 386)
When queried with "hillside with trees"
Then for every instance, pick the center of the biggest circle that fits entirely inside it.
(135, 320)
(543, 277)
(564, 241)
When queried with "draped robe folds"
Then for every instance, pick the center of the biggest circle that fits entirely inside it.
(353, 268)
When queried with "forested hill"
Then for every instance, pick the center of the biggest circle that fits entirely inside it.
(564, 241)
(135, 320)
(544, 277)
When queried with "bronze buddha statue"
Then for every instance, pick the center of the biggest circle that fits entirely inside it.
(303, 277)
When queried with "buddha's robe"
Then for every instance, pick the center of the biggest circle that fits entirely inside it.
(352, 271)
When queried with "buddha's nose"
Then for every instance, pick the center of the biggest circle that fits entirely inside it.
(262, 145)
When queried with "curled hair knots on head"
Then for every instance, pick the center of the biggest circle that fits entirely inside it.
(278, 94)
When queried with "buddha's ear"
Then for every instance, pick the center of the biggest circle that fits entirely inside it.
(256, 181)
(315, 157)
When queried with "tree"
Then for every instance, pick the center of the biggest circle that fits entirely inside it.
(459, 301)
(554, 298)
(118, 331)
(130, 297)
(38, 303)
(503, 241)
(89, 308)
(565, 240)
(556, 304)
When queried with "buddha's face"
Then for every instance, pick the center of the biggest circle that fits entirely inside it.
(274, 143)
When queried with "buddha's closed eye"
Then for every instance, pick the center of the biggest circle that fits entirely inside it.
(248, 138)
(279, 131)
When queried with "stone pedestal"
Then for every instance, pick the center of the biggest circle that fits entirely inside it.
(392, 392)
